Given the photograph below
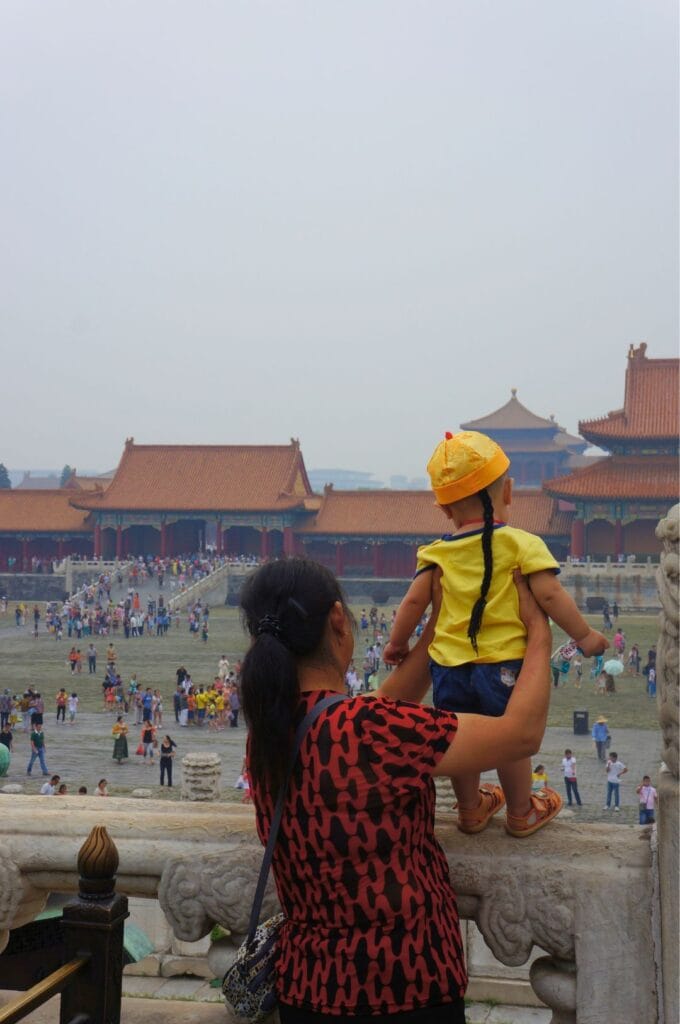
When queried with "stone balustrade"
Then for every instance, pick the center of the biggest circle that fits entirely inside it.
(584, 894)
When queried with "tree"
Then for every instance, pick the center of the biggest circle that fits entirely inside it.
(65, 475)
(5, 482)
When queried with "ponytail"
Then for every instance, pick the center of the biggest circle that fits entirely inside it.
(487, 550)
(270, 694)
(285, 606)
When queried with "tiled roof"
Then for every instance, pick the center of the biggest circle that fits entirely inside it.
(414, 513)
(650, 406)
(205, 478)
(532, 445)
(622, 476)
(565, 440)
(76, 482)
(511, 416)
(28, 511)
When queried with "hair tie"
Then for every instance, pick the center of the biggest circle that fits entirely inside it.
(269, 624)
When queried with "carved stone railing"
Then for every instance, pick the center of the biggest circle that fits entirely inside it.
(668, 697)
(582, 893)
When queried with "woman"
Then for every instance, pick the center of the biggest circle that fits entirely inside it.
(120, 746)
(167, 751)
(372, 929)
(148, 741)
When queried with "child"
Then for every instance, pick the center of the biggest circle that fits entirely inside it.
(72, 703)
(569, 773)
(479, 639)
(539, 779)
(615, 769)
(648, 797)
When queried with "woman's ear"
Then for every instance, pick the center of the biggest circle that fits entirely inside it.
(337, 618)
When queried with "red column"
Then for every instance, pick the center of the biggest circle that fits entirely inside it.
(339, 560)
(60, 549)
(164, 541)
(377, 560)
(219, 539)
(578, 539)
(618, 538)
(264, 545)
(97, 542)
(288, 541)
(24, 555)
(119, 542)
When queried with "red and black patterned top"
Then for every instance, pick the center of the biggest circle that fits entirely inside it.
(372, 925)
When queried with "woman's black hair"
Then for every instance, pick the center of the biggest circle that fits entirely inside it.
(285, 606)
(487, 545)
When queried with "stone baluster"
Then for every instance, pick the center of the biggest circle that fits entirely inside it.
(201, 775)
(668, 698)
(554, 981)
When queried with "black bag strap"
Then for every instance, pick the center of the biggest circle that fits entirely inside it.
(302, 729)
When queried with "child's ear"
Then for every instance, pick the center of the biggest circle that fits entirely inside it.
(446, 509)
(507, 491)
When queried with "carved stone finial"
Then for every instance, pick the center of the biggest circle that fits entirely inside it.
(98, 856)
(129, 442)
(639, 352)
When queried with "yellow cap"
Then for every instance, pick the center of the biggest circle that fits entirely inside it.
(462, 464)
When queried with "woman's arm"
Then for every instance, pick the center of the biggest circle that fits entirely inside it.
(481, 742)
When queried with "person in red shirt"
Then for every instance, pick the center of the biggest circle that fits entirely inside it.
(372, 927)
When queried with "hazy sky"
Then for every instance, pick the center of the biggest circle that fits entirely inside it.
(358, 222)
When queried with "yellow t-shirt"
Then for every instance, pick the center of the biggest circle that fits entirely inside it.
(460, 558)
(201, 700)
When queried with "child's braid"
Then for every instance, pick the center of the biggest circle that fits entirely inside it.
(487, 539)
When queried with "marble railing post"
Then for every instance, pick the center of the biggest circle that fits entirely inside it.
(667, 681)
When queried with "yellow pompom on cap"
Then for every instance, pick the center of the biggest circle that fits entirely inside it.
(463, 464)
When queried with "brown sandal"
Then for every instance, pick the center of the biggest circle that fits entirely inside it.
(475, 820)
(544, 807)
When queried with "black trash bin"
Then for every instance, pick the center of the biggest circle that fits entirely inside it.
(581, 727)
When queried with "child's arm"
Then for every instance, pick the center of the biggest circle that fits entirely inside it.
(556, 602)
(409, 614)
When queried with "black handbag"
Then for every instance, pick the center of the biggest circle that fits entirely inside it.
(249, 985)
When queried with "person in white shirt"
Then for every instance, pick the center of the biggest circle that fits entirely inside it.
(72, 705)
(614, 769)
(648, 797)
(569, 772)
(50, 788)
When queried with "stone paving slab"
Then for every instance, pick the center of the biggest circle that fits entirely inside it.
(188, 1011)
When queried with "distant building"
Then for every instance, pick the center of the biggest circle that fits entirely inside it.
(619, 501)
(538, 448)
(29, 482)
(259, 500)
(343, 480)
(404, 483)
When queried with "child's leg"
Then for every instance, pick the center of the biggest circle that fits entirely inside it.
(453, 690)
(526, 812)
(515, 778)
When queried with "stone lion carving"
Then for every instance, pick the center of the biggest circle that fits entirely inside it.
(218, 889)
(668, 578)
(517, 911)
(11, 895)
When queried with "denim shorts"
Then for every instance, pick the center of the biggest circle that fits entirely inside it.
(477, 689)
